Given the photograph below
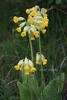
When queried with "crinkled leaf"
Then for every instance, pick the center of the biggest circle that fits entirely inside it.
(53, 90)
(24, 90)
(61, 80)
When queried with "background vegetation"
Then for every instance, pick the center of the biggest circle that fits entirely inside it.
(13, 47)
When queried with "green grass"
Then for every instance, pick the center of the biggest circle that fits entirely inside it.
(13, 48)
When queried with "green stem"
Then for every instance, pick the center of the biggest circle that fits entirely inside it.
(31, 49)
(41, 59)
(41, 68)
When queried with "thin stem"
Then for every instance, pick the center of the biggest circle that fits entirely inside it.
(40, 57)
(31, 49)
(41, 67)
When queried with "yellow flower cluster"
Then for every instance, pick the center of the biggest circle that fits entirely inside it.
(37, 21)
(26, 65)
(40, 58)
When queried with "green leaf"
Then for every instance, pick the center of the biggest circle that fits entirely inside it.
(58, 1)
(50, 91)
(50, 1)
(61, 81)
(25, 94)
(33, 81)
(53, 90)
(24, 91)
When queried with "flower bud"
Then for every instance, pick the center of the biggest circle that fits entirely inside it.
(30, 63)
(26, 28)
(21, 18)
(36, 7)
(22, 24)
(38, 21)
(37, 27)
(21, 63)
(32, 28)
(26, 61)
(37, 57)
(38, 18)
(43, 12)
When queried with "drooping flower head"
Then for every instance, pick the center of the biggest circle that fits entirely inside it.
(37, 21)
(40, 59)
(26, 65)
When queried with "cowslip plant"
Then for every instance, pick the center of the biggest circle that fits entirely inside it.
(30, 89)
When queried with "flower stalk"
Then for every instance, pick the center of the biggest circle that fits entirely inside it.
(31, 48)
(40, 59)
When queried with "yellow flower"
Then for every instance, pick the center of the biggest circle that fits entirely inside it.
(16, 67)
(23, 34)
(45, 18)
(15, 19)
(45, 11)
(27, 11)
(46, 23)
(26, 68)
(31, 19)
(45, 62)
(18, 29)
(34, 13)
(38, 63)
(42, 25)
(20, 68)
(36, 33)
(32, 38)
(27, 73)
(44, 31)
(32, 69)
